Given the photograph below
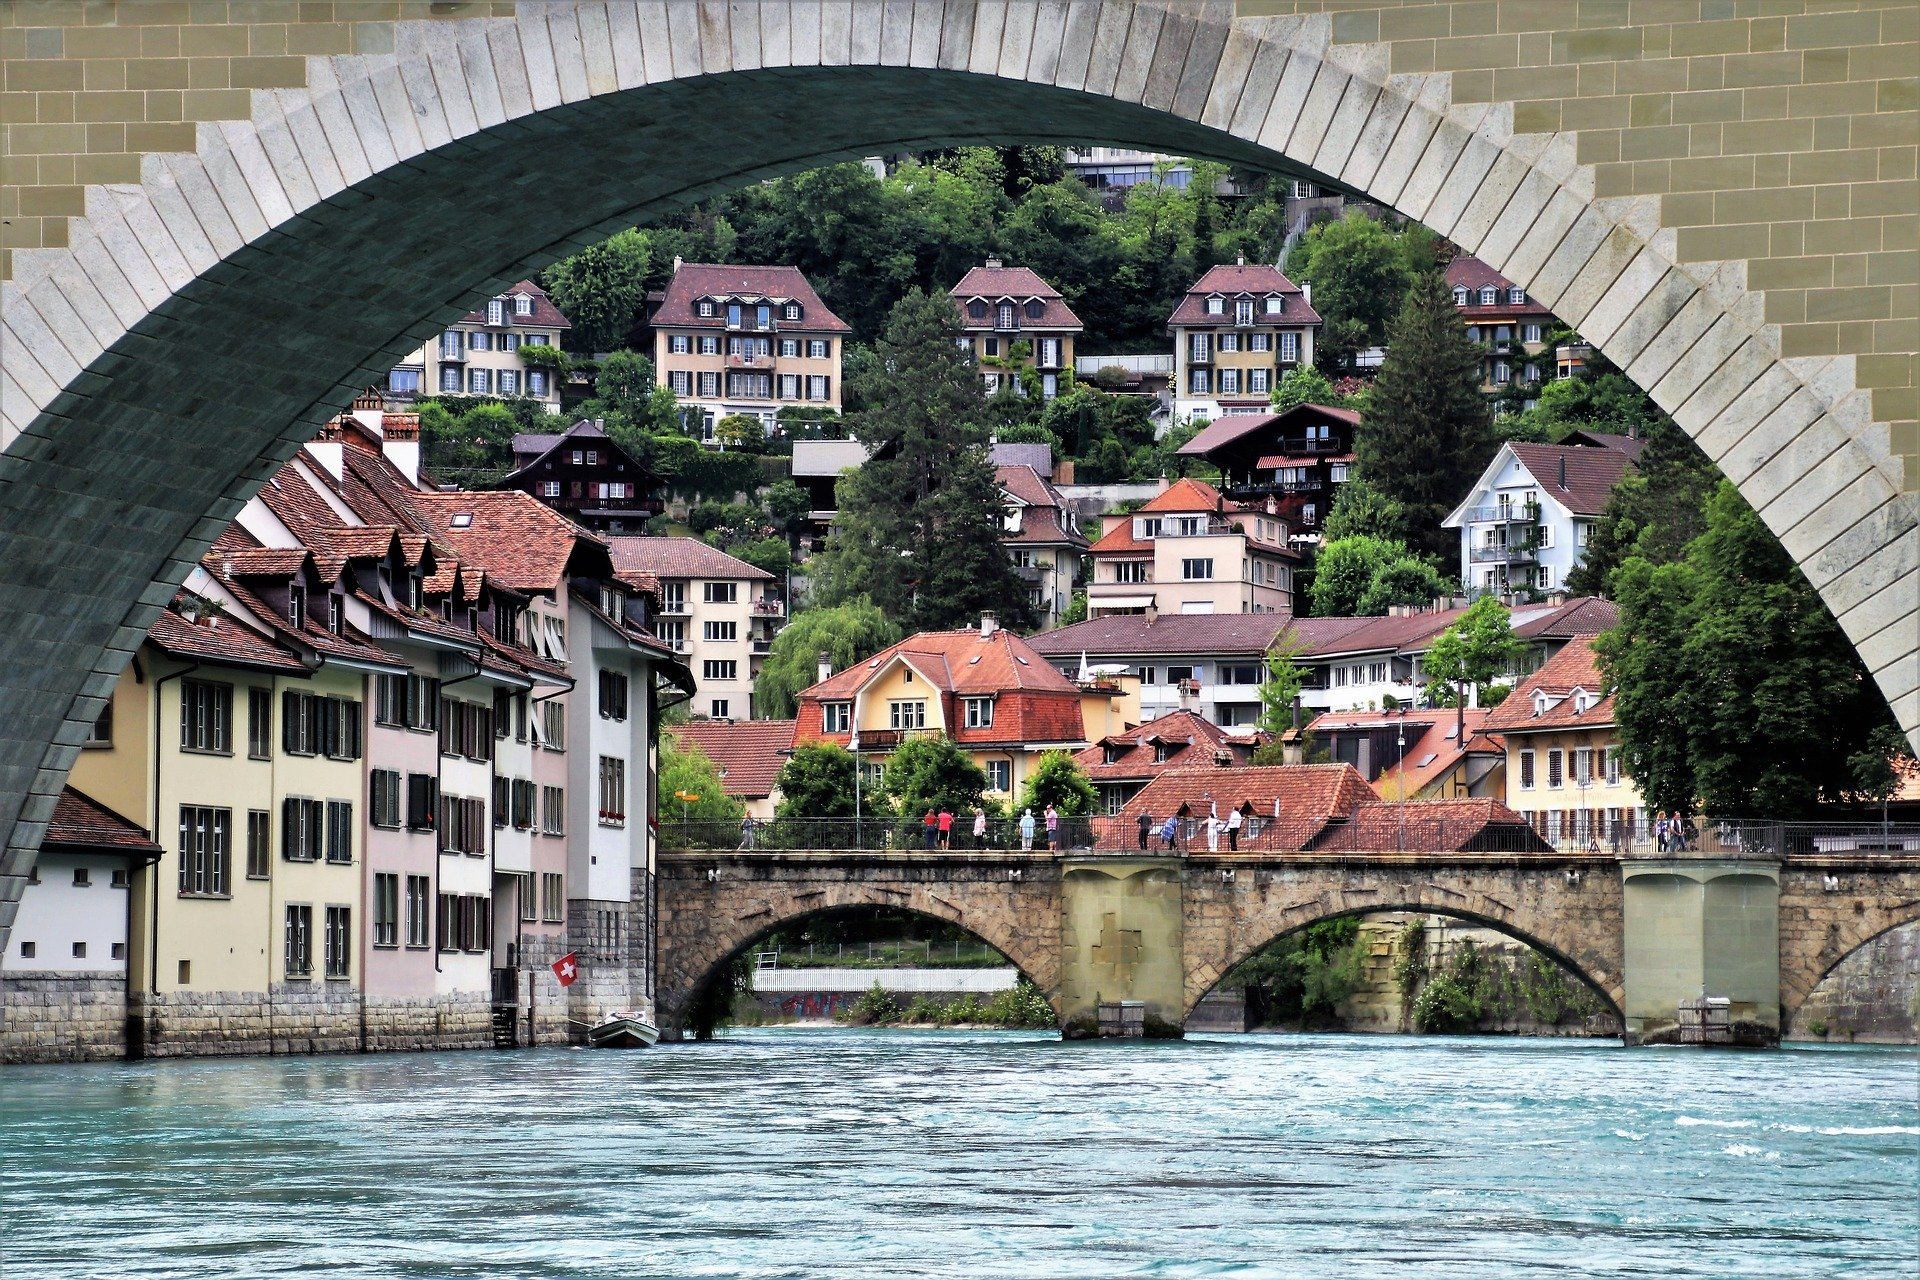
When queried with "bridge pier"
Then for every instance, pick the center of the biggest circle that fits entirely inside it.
(1121, 938)
(1701, 927)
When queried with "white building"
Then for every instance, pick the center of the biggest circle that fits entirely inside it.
(1209, 664)
(717, 611)
(479, 355)
(72, 919)
(1525, 524)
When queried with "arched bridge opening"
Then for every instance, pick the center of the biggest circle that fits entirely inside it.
(288, 253)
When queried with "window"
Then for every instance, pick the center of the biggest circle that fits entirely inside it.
(1004, 316)
(523, 304)
(1530, 333)
(613, 791)
(791, 311)
(1243, 311)
(1198, 347)
(302, 829)
(452, 344)
(206, 717)
(907, 715)
(423, 801)
(536, 382)
(259, 844)
(1555, 776)
(1289, 348)
(1459, 295)
(390, 700)
(819, 388)
(1132, 571)
(101, 735)
(1258, 380)
(1276, 305)
(979, 713)
(720, 709)
(1199, 570)
(836, 717)
(709, 384)
(419, 891)
(339, 831)
(1198, 381)
(509, 382)
(463, 825)
(1526, 770)
(479, 381)
(1260, 342)
(553, 900)
(386, 909)
(496, 312)
(466, 730)
(314, 724)
(705, 307)
(339, 942)
(1516, 296)
(818, 349)
(554, 725)
(1216, 306)
(259, 724)
(1000, 775)
(720, 592)
(449, 378)
(1048, 351)
(553, 811)
(1582, 766)
(720, 669)
(613, 695)
(1229, 382)
(529, 904)
(205, 847)
(720, 630)
(299, 950)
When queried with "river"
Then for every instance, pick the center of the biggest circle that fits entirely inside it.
(810, 1153)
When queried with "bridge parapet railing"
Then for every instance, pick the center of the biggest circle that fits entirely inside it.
(1749, 837)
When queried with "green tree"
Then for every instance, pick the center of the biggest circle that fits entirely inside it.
(846, 633)
(930, 772)
(817, 782)
(1285, 679)
(1346, 570)
(742, 431)
(1359, 270)
(1735, 690)
(1478, 648)
(1360, 508)
(602, 290)
(919, 524)
(1058, 780)
(690, 785)
(1654, 512)
(1407, 579)
(1305, 385)
(770, 554)
(1426, 404)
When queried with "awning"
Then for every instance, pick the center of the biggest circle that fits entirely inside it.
(1119, 602)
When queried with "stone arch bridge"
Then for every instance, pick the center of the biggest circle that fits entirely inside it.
(1642, 933)
(221, 221)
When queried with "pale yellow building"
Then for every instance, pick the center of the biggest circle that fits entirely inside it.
(1012, 321)
(1236, 332)
(480, 354)
(717, 611)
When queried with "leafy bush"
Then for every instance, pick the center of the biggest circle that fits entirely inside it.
(1447, 1004)
(874, 1008)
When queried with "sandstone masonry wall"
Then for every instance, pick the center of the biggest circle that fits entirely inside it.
(1873, 995)
(62, 1017)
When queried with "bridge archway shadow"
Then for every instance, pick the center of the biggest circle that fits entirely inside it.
(1203, 978)
(1812, 957)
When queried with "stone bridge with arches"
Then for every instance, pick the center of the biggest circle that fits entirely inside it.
(1092, 929)
(221, 221)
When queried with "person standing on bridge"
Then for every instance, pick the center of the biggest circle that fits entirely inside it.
(1053, 829)
(1145, 822)
(931, 827)
(979, 827)
(1169, 830)
(1026, 830)
(946, 827)
(747, 832)
(1234, 819)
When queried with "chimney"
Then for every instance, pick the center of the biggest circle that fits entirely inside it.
(1563, 473)
(993, 262)
(678, 262)
(1188, 695)
(1240, 260)
(1306, 294)
(825, 668)
(988, 625)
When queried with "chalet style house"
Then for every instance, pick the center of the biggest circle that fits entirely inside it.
(1010, 320)
(584, 475)
(1234, 333)
(479, 354)
(1298, 459)
(751, 340)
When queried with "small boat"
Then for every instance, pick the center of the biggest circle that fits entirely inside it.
(627, 1030)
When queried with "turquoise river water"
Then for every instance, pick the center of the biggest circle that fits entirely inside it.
(806, 1153)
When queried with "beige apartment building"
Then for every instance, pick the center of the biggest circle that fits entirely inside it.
(718, 613)
(749, 340)
(479, 355)
(1235, 332)
(1012, 321)
(1190, 551)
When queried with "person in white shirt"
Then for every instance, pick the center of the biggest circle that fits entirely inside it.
(1234, 820)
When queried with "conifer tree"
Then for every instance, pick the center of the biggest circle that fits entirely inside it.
(1426, 434)
(918, 530)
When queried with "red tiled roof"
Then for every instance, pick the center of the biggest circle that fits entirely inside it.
(696, 280)
(1301, 799)
(1590, 473)
(1040, 519)
(352, 645)
(1468, 272)
(749, 753)
(545, 314)
(1434, 745)
(1175, 634)
(679, 558)
(1433, 826)
(1255, 278)
(1632, 446)
(222, 641)
(1580, 616)
(1016, 284)
(1184, 494)
(1190, 739)
(519, 540)
(83, 823)
(262, 562)
(1575, 667)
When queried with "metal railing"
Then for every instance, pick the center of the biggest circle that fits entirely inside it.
(1526, 513)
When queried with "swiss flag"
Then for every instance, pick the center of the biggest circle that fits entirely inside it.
(566, 969)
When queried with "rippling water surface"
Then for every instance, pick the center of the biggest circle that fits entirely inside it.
(872, 1154)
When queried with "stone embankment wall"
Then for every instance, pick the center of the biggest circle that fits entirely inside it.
(1380, 1005)
(62, 1017)
(1873, 996)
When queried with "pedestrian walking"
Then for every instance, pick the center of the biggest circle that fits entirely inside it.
(931, 826)
(1168, 830)
(747, 832)
(1660, 831)
(1053, 828)
(1213, 831)
(1234, 819)
(1026, 830)
(1145, 823)
(946, 827)
(980, 828)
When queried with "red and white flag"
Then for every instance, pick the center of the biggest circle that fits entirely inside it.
(566, 968)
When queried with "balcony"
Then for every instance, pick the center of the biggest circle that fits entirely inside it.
(1211, 527)
(1527, 513)
(1511, 553)
(755, 361)
(1030, 572)
(768, 607)
(760, 646)
(674, 608)
(1303, 444)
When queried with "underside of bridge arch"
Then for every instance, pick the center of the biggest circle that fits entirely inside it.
(202, 323)
(1820, 927)
(1582, 938)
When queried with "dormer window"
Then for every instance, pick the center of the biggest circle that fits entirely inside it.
(1517, 297)
(1111, 754)
(336, 615)
(523, 304)
(497, 312)
(1541, 702)
(446, 609)
(1006, 315)
(1243, 311)
(1035, 308)
(1216, 306)
(1459, 295)
(1160, 752)
(1276, 305)
(296, 605)
(473, 619)
(977, 309)
(1489, 296)
(413, 591)
(611, 601)
(705, 307)
(790, 312)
